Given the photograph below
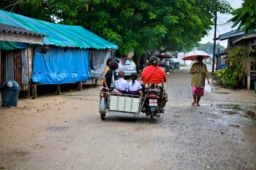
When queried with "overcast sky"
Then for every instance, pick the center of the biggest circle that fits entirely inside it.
(222, 25)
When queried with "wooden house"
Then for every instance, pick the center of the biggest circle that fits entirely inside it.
(240, 38)
(67, 54)
(14, 60)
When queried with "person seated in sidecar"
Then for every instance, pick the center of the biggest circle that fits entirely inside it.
(110, 78)
(134, 86)
(154, 76)
(121, 84)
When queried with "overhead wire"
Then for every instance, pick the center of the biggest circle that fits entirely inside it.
(230, 1)
(223, 24)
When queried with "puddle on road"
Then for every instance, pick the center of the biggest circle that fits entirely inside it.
(235, 109)
(235, 126)
(224, 123)
(229, 112)
(229, 106)
(176, 116)
(57, 128)
(221, 92)
(246, 111)
(225, 109)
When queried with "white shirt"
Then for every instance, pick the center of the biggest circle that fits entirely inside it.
(121, 84)
(135, 87)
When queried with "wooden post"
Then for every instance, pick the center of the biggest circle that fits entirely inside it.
(92, 82)
(34, 91)
(0, 66)
(218, 59)
(80, 86)
(214, 40)
(58, 89)
(248, 68)
(28, 91)
(96, 82)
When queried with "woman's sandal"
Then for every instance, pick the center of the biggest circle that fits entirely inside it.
(197, 104)
(193, 103)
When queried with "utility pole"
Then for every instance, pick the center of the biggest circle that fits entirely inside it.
(214, 40)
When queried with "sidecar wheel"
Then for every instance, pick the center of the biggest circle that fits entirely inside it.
(102, 116)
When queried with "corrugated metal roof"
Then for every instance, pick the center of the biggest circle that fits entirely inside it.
(244, 37)
(233, 33)
(17, 30)
(230, 34)
(57, 34)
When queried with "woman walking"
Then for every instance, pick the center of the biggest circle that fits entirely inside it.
(199, 73)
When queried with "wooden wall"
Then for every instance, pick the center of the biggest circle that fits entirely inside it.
(17, 65)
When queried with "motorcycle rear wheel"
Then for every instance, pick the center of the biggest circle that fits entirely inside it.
(151, 116)
(102, 116)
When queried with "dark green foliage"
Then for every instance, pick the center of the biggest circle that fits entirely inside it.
(235, 66)
(245, 17)
(134, 25)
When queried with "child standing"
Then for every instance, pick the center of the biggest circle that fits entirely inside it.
(134, 86)
(121, 85)
(107, 68)
(110, 77)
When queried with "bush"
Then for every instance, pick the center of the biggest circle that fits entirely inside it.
(236, 65)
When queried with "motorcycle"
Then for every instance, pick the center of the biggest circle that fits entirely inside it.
(129, 104)
(151, 103)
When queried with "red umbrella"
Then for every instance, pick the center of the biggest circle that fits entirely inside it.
(192, 55)
(164, 56)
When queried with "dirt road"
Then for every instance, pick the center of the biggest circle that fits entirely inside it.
(66, 132)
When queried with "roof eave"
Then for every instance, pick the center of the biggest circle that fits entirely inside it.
(21, 38)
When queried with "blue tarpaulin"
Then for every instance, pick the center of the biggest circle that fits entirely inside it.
(59, 67)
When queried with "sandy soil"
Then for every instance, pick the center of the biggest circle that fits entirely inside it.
(66, 132)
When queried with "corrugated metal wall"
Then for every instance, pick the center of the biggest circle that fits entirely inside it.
(3, 67)
(15, 66)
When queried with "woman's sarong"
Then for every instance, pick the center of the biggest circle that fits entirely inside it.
(196, 91)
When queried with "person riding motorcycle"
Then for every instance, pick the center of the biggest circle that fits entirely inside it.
(153, 77)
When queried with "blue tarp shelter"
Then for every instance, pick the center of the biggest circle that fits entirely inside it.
(67, 56)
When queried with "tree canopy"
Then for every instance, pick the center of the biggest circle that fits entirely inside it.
(245, 17)
(134, 25)
(208, 48)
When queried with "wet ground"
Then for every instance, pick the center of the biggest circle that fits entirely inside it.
(66, 132)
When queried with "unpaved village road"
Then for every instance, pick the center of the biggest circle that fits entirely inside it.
(65, 132)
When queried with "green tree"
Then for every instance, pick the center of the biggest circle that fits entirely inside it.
(208, 48)
(134, 25)
(245, 17)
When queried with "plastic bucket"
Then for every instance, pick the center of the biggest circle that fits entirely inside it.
(9, 98)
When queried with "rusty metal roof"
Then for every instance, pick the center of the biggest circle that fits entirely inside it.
(17, 30)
